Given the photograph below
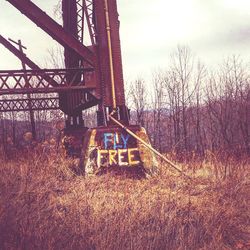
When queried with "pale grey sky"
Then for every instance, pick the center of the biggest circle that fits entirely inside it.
(150, 31)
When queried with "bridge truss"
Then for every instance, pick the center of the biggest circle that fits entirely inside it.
(92, 75)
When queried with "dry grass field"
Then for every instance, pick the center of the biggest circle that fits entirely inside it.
(45, 205)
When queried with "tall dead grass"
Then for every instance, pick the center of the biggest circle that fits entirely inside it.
(45, 205)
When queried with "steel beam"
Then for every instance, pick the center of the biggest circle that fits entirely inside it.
(18, 53)
(44, 90)
(56, 31)
(88, 101)
(103, 53)
(9, 105)
(39, 81)
(89, 9)
(24, 59)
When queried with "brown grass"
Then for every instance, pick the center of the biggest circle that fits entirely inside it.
(45, 205)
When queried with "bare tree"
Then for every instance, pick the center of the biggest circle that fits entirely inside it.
(228, 107)
(138, 94)
(157, 105)
(180, 89)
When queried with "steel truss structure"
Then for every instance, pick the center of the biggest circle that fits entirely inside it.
(90, 69)
(39, 81)
(27, 104)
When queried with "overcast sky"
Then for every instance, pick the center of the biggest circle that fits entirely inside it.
(150, 31)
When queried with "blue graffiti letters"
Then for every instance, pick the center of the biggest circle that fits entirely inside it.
(107, 139)
(125, 140)
(115, 141)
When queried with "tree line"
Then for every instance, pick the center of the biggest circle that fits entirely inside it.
(188, 109)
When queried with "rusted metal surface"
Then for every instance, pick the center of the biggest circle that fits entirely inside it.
(39, 81)
(116, 49)
(71, 37)
(89, 12)
(78, 16)
(45, 22)
(80, 20)
(69, 100)
(27, 104)
(103, 53)
(24, 59)
(71, 58)
(87, 101)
